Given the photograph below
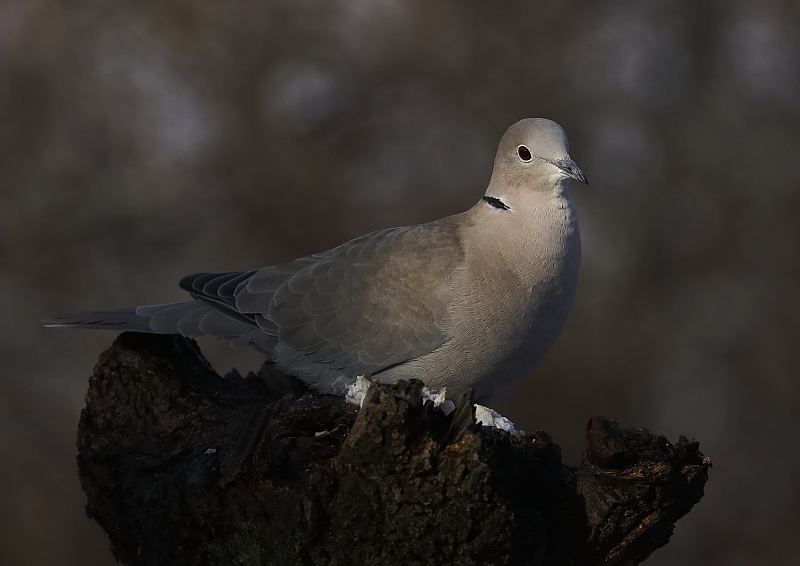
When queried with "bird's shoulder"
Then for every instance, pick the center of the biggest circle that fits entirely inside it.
(367, 304)
(412, 257)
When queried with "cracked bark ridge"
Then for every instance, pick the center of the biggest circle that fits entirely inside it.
(182, 466)
(636, 485)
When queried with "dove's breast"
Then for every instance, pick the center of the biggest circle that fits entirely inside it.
(511, 300)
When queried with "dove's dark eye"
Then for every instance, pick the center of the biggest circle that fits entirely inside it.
(524, 153)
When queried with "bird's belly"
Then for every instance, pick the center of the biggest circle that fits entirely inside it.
(479, 362)
(524, 350)
(496, 352)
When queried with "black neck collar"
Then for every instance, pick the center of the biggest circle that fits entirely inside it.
(495, 202)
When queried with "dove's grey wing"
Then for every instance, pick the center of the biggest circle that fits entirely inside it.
(369, 304)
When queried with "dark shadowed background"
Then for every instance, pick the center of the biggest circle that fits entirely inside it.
(141, 141)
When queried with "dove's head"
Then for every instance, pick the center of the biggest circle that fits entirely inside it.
(534, 153)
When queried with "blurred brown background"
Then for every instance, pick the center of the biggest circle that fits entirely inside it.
(140, 141)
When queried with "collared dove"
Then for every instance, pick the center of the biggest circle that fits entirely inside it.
(470, 300)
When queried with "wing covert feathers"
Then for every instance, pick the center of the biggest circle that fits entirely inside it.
(369, 304)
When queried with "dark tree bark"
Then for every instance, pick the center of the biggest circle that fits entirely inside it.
(182, 467)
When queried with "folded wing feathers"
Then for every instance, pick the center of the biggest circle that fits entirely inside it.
(230, 288)
(350, 307)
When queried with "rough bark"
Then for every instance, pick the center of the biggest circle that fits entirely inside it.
(182, 466)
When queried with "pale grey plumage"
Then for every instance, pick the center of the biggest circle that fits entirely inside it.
(471, 300)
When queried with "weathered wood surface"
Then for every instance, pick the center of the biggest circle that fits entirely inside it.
(183, 467)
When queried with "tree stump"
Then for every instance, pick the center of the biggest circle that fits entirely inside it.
(184, 467)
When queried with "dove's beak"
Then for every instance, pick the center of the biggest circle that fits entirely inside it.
(567, 165)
